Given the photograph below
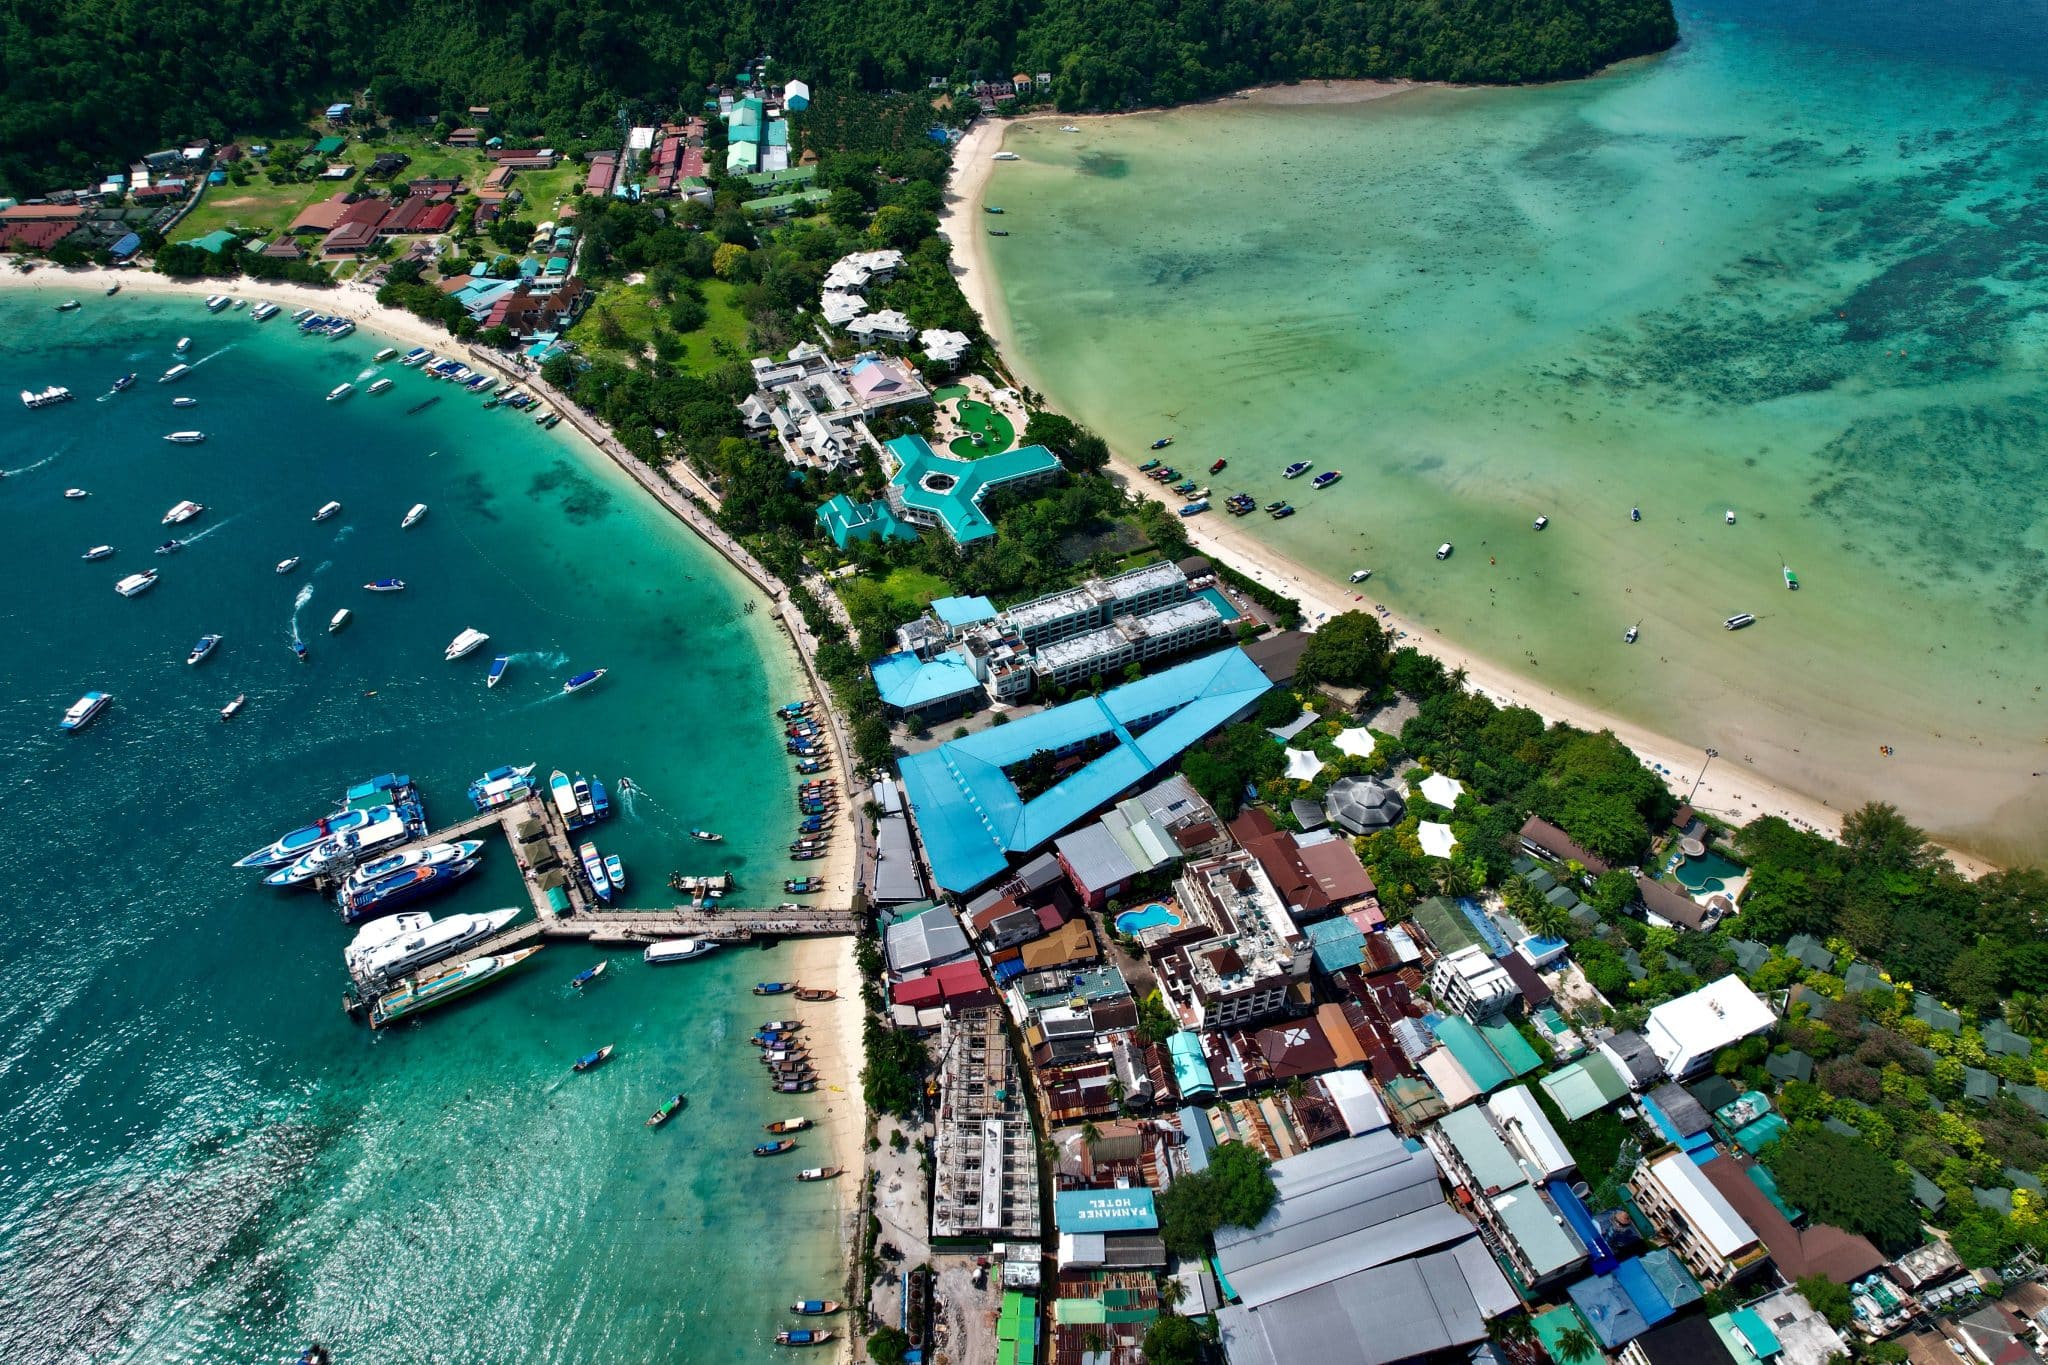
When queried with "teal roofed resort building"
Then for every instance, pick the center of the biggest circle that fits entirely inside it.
(969, 811)
(847, 521)
(930, 489)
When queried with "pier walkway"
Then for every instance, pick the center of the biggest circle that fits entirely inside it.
(594, 923)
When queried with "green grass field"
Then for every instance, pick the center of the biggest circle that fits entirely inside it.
(977, 416)
(632, 307)
(902, 595)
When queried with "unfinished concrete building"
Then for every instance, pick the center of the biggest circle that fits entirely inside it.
(985, 1181)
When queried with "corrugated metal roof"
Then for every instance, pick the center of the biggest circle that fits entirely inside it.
(1386, 1313)
(1466, 1043)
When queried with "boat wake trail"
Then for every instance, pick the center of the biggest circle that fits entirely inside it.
(325, 565)
(221, 352)
(341, 536)
(543, 658)
(299, 602)
(630, 799)
(194, 540)
(31, 468)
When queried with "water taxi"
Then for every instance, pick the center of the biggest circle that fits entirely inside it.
(803, 1336)
(287, 565)
(385, 585)
(99, 552)
(498, 667)
(591, 1060)
(583, 680)
(203, 650)
(326, 510)
(184, 402)
(588, 975)
(412, 518)
(339, 392)
(84, 711)
(775, 1148)
(382, 386)
(385, 354)
(263, 312)
(217, 302)
(174, 374)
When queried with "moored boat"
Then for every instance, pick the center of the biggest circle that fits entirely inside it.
(775, 1148)
(327, 510)
(395, 893)
(615, 869)
(184, 402)
(412, 518)
(386, 949)
(85, 710)
(387, 826)
(99, 552)
(774, 987)
(501, 786)
(814, 1308)
(184, 345)
(340, 619)
(287, 847)
(706, 836)
(583, 680)
(590, 1061)
(433, 855)
(382, 386)
(588, 975)
(805, 1336)
(263, 312)
(563, 790)
(667, 1111)
(385, 354)
(427, 992)
(593, 870)
(1297, 469)
(385, 585)
(677, 950)
(287, 565)
(76, 493)
(216, 302)
(1791, 579)
(182, 512)
(69, 306)
(821, 1173)
(812, 995)
(795, 1125)
(1328, 477)
(339, 392)
(464, 644)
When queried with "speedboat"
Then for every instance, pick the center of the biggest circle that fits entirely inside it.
(463, 644)
(1729, 516)
(85, 710)
(677, 950)
(135, 584)
(124, 383)
(233, 708)
(382, 386)
(1540, 523)
(327, 510)
(1443, 551)
(564, 793)
(1326, 478)
(1297, 469)
(1629, 637)
(186, 438)
(285, 848)
(76, 493)
(1791, 579)
(615, 868)
(706, 836)
(593, 1059)
(174, 374)
(1360, 575)
(412, 939)
(1218, 467)
(588, 975)
(203, 650)
(501, 787)
(1162, 443)
(183, 512)
(412, 518)
(1635, 514)
(385, 585)
(287, 565)
(413, 357)
(385, 354)
(1283, 511)
(1005, 156)
(339, 392)
(184, 402)
(337, 621)
(1738, 621)
(99, 552)
(583, 680)
(396, 892)
(424, 993)
(498, 667)
(593, 868)
(299, 649)
(431, 856)
(184, 345)
(68, 306)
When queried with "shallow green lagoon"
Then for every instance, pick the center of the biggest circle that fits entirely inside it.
(1792, 269)
(203, 1159)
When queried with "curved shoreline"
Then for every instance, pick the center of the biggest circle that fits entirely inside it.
(1729, 788)
(830, 959)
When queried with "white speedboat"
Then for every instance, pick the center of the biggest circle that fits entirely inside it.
(412, 518)
(183, 512)
(1729, 516)
(287, 565)
(135, 584)
(186, 438)
(175, 373)
(498, 667)
(234, 708)
(1006, 156)
(337, 621)
(99, 552)
(327, 510)
(382, 386)
(84, 711)
(184, 402)
(386, 949)
(463, 644)
(677, 950)
(76, 493)
(385, 585)
(593, 869)
(184, 345)
(339, 392)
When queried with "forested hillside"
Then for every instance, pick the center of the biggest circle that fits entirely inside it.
(86, 82)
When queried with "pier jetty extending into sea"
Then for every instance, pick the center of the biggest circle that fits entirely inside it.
(574, 914)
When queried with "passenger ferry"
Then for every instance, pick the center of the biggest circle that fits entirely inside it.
(412, 358)
(264, 312)
(217, 302)
(136, 584)
(84, 711)
(186, 438)
(382, 386)
(339, 392)
(385, 354)
(174, 374)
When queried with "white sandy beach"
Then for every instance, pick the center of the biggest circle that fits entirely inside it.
(1734, 786)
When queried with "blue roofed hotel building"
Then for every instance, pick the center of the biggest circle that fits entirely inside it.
(971, 816)
(930, 489)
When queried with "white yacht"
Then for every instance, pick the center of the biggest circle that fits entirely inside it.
(174, 374)
(186, 438)
(183, 512)
(337, 621)
(385, 949)
(382, 386)
(677, 950)
(136, 584)
(326, 510)
(339, 392)
(412, 518)
(463, 644)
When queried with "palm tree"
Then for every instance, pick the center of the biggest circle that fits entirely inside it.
(1172, 1291)
(1547, 921)
(2027, 1013)
(1090, 1135)
(1575, 1344)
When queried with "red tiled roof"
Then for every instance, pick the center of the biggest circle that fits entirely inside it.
(40, 213)
(350, 237)
(34, 236)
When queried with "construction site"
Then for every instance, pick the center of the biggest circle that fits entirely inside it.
(985, 1162)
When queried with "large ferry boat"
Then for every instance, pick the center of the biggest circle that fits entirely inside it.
(391, 864)
(425, 992)
(402, 889)
(136, 584)
(84, 711)
(385, 949)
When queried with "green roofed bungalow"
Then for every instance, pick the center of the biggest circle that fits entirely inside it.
(1754, 1137)
(213, 243)
(847, 521)
(1861, 977)
(327, 146)
(778, 182)
(930, 489)
(1510, 1046)
(1469, 1048)
(784, 205)
(1584, 1087)
(2000, 1040)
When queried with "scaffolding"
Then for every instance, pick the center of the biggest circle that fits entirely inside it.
(986, 1167)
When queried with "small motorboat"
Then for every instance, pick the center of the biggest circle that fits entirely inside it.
(1541, 522)
(815, 1308)
(184, 345)
(706, 836)
(113, 289)
(299, 649)
(615, 869)
(1149, 466)
(202, 651)
(1445, 550)
(464, 644)
(1729, 516)
(170, 547)
(337, 621)
(821, 1173)
(1635, 514)
(1283, 511)
(775, 1148)
(593, 871)
(76, 493)
(583, 680)
(1325, 479)
(1219, 466)
(774, 987)
(1629, 636)
(498, 667)
(99, 552)
(385, 585)
(1791, 579)
(412, 518)
(184, 402)
(287, 565)
(805, 1336)
(782, 1026)
(327, 510)
(1297, 469)
(186, 438)
(796, 1125)
(126, 381)
(588, 975)
(68, 306)
(1360, 575)
(233, 708)
(666, 1112)
(590, 1061)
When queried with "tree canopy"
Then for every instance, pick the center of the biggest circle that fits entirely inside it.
(80, 90)
(1235, 1191)
(1845, 1181)
(1349, 650)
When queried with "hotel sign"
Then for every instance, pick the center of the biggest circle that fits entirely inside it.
(1105, 1211)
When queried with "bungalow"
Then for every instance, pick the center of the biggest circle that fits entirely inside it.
(466, 137)
(284, 249)
(942, 347)
(1665, 904)
(1546, 840)
(887, 325)
(387, 165)
(526, 313)
(350, 239)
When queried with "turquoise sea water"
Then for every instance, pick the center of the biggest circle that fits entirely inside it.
(201, 1158)
(1792, 269)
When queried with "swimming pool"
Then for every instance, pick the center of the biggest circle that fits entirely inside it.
(1151, 917)
(1221, 603)
(1709, 873)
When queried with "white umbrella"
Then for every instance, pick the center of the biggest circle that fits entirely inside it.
(1302, 765)
(1437, 840)
(1357, 741)
(1442, 791)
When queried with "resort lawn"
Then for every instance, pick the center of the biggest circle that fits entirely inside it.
(902, 595)
(977, 416)
(634, 309)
